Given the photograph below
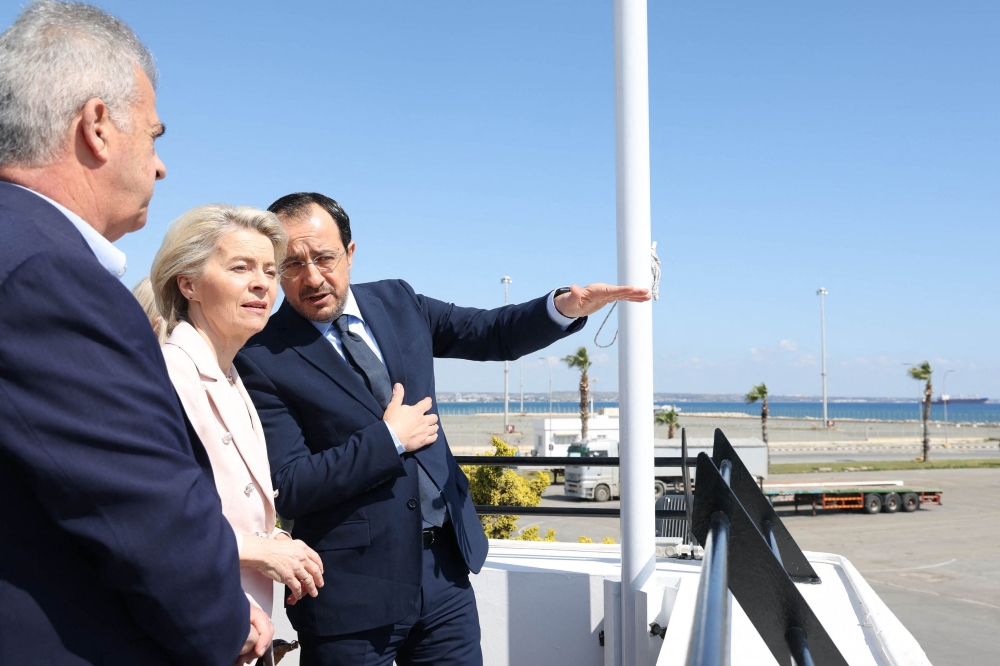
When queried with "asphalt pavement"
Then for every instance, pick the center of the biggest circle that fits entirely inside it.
(938, 568)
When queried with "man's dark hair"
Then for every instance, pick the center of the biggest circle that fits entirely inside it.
(296, 205)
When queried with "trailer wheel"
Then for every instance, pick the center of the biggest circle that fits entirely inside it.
(602, 493)
(891, 503)
(873, 503)
(659, 489)
(911, 502)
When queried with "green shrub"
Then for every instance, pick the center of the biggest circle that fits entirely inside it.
(502, 486)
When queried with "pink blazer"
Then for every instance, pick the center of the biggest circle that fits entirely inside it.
(227, 423)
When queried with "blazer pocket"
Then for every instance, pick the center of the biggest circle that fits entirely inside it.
(349, 534)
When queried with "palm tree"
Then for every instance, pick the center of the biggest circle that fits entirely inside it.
(581, 360)
(759, 392)
(922, 373)
(667, 417)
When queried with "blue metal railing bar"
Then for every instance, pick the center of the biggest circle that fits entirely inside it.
(686, 475)
(771, 541)
(799, 647)
(710, 634)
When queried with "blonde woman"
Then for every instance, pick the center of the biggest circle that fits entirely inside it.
(143, 293)
(215, 282)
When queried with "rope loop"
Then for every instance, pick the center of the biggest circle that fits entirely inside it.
(654, 290)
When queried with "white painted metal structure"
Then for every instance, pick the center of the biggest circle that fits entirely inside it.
(635, 320)
(505, 280)
(822, 292)
(546, 603)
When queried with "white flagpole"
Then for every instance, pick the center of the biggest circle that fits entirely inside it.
(635, 321)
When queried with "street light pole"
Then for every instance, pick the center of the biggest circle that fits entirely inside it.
(822, 292)
(520, 372)
(548, 363)
(944, 401)
(505, 280)
(593, 380)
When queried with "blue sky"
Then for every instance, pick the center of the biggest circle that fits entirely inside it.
(794, 145)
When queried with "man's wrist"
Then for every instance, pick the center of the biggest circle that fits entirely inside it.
(400, 449)
(557, 317)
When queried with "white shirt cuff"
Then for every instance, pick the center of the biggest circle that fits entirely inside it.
(395, 440)
(560, 320)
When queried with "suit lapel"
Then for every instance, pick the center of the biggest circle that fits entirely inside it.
(375, 315)
(381, 327)
(306, 340)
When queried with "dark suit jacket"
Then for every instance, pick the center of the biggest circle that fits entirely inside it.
(334, 464)
(115, 549)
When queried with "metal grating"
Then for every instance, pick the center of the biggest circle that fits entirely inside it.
(671, 527)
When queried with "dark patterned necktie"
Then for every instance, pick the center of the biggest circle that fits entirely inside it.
(364, 361)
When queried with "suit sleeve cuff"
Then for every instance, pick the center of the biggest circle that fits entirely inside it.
(395, 440)
(558, 318)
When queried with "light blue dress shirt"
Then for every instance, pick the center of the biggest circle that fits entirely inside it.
(107, 254)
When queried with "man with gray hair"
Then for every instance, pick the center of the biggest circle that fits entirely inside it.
(117, 551)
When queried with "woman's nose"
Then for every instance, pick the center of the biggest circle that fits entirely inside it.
(261, 282)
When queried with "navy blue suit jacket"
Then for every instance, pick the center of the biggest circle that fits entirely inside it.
(115, 549)
(333, 461)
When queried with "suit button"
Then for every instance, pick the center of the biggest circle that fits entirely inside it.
(412, 503)
(248, 489)
(227, 438)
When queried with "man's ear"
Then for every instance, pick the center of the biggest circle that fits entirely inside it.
(350, 254)
(94, 128)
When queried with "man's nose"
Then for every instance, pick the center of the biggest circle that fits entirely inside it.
(313, 276)
(161, 169)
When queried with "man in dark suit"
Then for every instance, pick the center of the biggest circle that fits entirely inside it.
(343, 379)
(115, 549)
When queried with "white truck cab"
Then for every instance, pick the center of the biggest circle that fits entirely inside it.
(602, 483)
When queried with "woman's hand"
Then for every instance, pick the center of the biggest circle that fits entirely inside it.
(259, 639)
(287, 561)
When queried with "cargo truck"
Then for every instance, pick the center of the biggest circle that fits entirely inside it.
(602, 483)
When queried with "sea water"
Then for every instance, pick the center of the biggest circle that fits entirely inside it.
(881, 411)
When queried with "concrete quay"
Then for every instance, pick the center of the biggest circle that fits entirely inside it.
(469, 434)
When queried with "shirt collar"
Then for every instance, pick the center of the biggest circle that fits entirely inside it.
(350, 308)
(107, 254)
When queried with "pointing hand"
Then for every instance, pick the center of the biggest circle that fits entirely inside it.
(583, 301)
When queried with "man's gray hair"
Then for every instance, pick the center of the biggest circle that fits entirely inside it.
(53, 59)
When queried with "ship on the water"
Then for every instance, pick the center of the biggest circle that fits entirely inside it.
(961, 401)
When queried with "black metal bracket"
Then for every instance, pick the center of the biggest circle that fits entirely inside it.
(593, 512)
(550, 462)
(756, 576)
(761, 513)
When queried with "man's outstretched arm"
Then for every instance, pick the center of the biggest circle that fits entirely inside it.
(511, 331)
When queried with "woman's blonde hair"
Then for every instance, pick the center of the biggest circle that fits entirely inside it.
(191, 241)
(143, 293)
